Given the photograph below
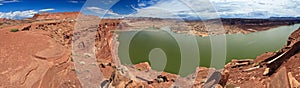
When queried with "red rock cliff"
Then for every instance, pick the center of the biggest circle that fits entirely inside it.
(63, 15)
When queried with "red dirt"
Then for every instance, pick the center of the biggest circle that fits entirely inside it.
(31, 59)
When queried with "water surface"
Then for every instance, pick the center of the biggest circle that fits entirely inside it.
(161, 49)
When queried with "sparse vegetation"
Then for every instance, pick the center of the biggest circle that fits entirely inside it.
(87, 55)
(71, 59)
(139, 69)
(14, 30)
(73, 69)
(230, 86)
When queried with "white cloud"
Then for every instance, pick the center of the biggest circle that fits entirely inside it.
(102, 12)
(177, 9)
(225, 8)
(161, 9)
(141, 4)
(22, 14)
(207, 9)
(18, 14)
(165, 9)
(257, 8)
(153, 12)
(45, 10)
(9, 1)
(72, 1)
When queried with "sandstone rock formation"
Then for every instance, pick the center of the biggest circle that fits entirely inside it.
(40, 56)
(270, 70)
(31, 59)
(63, 15)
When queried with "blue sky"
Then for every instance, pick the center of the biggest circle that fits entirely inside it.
(58, 5)
(205, 9)
(18, 9)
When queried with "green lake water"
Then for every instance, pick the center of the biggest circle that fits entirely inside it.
(161, 49)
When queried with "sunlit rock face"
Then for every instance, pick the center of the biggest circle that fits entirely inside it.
(63, 15)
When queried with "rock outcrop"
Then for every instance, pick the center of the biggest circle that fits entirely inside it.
(40, 55)
(31, 59)
(62, 15)
(270, 70)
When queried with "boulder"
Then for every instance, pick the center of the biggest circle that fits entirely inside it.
(279, 79)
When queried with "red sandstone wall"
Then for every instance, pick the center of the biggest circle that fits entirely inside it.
(63, 15)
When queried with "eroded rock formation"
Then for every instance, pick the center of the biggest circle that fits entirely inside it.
(39, 56)
(51, 16)
(270, 70)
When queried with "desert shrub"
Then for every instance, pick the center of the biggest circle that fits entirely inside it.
(71, 59)
(73, 69)
(139, 69)
(14, 30)
(230, 86)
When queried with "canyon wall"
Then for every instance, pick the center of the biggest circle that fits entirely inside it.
(62, 15)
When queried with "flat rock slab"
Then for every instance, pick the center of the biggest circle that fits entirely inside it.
(279, 79)
(53, 51)
(18, 68)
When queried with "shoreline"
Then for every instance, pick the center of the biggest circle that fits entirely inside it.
(117, 75)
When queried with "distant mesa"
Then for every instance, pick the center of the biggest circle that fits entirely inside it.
(60, 15)
(3, 19)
